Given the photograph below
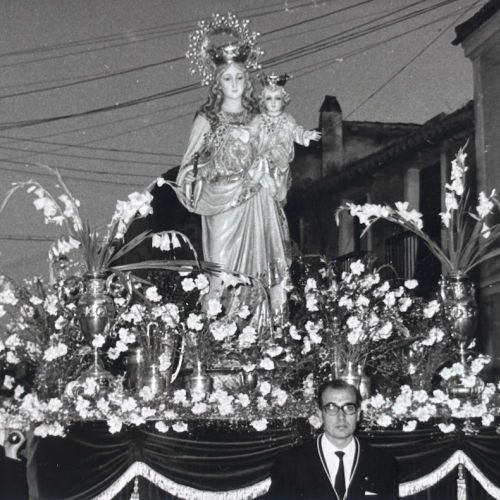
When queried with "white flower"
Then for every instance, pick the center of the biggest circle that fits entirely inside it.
(259, 425)
(315, 421)
(55, 352)
(243, 400)
(195, 322)
(152, 294)
(247, 337)
(161, 427)
(8, 382)
(311, 302)
(188, 284)
(129, 404)
(98, 340)
(410, 426)
(264, 388)
(267, 364)
(353, 322)
(146, 393)
(346, 302)
(413, 217)
(243, 312)
(54, 405)
(170, 315)
(485, 204)
(431, 309)
(487, 419)
(280, 395)
(115, 424)
(12, 358)
(214, 307)
(357, 268)
(36, 301)
(180, 427)
(310, 285)
(294, 334)
(126, 336)
(180, 396)
(446, 428)
(160, 181)
(411, 284)
(385, 331)
(161, 241)
(312, 327)
(202, 282)
(384, 420)
(274, 351)
(221, 331)
(422, 414)
(50, 304)
(199, 408)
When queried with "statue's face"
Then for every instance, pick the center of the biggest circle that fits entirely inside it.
(232, 82)
(273, 102)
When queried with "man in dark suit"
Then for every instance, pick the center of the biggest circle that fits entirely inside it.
(335, 465)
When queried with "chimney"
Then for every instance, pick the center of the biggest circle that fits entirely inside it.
(330, 124)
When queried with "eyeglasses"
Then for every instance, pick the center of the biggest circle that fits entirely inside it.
(332, 409)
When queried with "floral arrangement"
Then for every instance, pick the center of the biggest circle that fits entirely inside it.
(462, 250)
(350, 318)
(98, 254)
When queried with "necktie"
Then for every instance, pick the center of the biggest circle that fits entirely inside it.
(340, 477)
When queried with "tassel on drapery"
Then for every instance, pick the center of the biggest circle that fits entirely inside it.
(135, 493)
(461, 486)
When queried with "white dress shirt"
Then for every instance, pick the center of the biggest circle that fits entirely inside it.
(332, 460)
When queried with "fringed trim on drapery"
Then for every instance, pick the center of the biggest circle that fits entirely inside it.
(179, 490)
(459, 457)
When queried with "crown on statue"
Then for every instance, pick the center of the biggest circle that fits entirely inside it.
(273, 80)
(205, 57)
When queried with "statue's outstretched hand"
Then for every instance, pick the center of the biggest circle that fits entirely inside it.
(312, 135)
(186, 176)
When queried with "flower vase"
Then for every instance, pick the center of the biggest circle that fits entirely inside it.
(365, 383)
(351, 375)
(460, 306)
(249, 379)
(199, 381)
(136, 368)
(154, 381)
(465, 385)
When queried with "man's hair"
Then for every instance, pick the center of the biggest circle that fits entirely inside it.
(337, 384)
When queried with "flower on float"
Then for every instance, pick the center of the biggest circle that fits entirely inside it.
(18, 392)
(431, 309)
(152, 294)
(161, 427)
(357, 267)
(147, 412)
(315, 338)
(362, 301)
(485, 231)
(389, 299)
(188, 284)
(487, 419)
(164, 362)
(422, 413)
(115, 424)
(12, 358)
(64, 245)
(50, 304)
(13, 340)
(280, 396)
(411, 216)
(243, 312)
(294, 333)
(60, 323)
(315, 421)
(446, 428)
(221, 331)
(260, 424)
(307, 346)
(202, 283)
(411, 284)
(384, 332)
(439, 396)
(180, 427)
(82, 407)
(195, 322)
(274, 351)
(310, 285)
(179, 396)
(8, 382)
(161, 241)
(308, 385)
(264, 388)
(410, 426)
(478, 363)
(247, 337)
(485, 204)
(169, 415)
(243, 399)
(136, 419)
(404, 304)
(267, 364)
(453, 404)
(420, 396)
(346, 302)
(312, 327)
(103, 406)
(249, 367)
(36, 301)
(170, 315)
(114, 352)
(129, 404)
(311, 302)
(384, 420)
(146, 394)
(134, 314)
(44, 430)
(54, 405)
(126, 336)
(55, 352)
(377, 401)
(98, 340)
(353, 322)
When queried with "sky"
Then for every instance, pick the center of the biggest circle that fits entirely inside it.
(101, 89)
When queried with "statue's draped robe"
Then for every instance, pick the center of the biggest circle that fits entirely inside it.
(244, 227)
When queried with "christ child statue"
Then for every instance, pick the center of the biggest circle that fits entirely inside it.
(274, 133)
